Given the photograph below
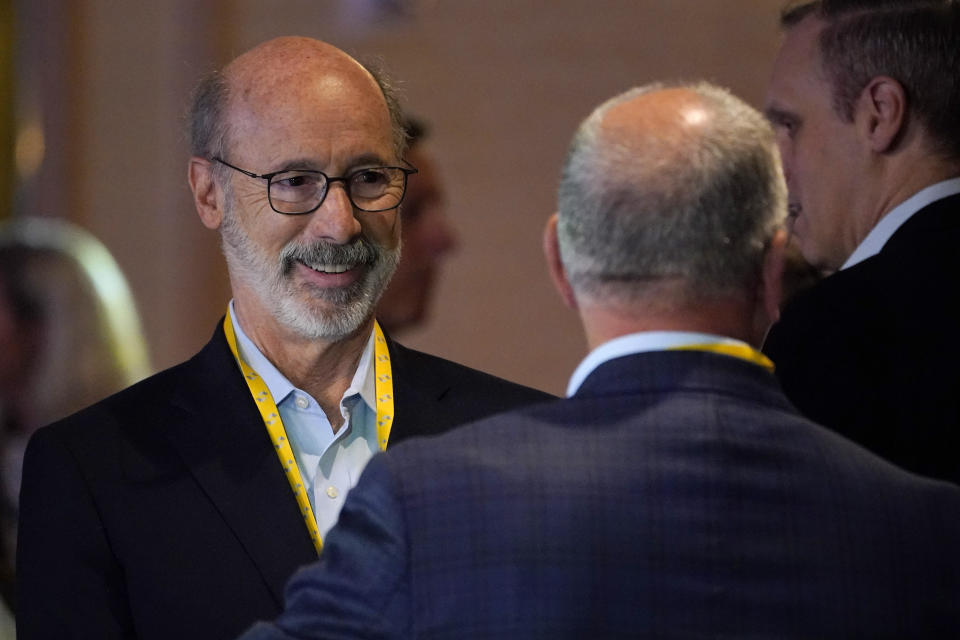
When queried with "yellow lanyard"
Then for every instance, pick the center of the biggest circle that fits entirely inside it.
(742, 351)
(278, 435)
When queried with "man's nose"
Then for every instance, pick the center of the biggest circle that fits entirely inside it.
(335, 221)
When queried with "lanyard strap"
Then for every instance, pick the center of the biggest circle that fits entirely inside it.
(741, 351)
(384, 386)
(278, 434)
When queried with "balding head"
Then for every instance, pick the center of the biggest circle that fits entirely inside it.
(285, 57)
(269, 78)
(669, 184)
(666, 124)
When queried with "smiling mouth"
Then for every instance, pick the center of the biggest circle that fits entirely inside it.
(328, 268)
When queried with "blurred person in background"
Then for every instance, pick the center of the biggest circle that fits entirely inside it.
(427, 238)
(69, 336)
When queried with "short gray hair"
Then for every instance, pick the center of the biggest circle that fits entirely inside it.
(704, 216)
(206, 122)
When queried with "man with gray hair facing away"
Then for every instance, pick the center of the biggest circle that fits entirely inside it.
(675, 492)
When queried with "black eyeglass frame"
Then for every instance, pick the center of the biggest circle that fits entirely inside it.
(407, 172)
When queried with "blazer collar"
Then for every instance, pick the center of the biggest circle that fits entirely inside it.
(671, 371)
(418, 391)
(224, 444)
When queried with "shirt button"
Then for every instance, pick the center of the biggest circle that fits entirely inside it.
(302, 402)
(332, 492)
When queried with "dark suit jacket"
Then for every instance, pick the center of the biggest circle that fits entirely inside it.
(873, 351)
(162, 512)
(676, 495)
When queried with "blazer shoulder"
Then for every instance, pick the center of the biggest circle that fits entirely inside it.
(434, 395)
(156, 395)
(426, 369)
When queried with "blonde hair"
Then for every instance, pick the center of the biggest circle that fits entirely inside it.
(91, 342)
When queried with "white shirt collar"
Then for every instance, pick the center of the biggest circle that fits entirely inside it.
(639, 343)
(894, 219)
(363, 382)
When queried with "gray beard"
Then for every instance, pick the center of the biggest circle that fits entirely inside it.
(299, 308)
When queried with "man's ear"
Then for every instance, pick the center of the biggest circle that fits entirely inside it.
(771, 290)
(205, 192)
(551, 251)
(881, 113)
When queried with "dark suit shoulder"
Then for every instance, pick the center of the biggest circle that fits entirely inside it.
(911, 267)
(434, 394)
(870, 350)
(168, 510)
(159, 392)
(446, 372)
(137, 432)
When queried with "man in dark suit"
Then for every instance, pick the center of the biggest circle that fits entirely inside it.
(179, 507)
(864, 97)
(676, 493)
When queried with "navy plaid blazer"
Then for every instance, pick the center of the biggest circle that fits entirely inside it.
(676, 495)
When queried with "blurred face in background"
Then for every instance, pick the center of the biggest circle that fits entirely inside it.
(427, 239)
(15, 346)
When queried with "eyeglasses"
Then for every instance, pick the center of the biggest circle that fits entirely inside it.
(297, 192)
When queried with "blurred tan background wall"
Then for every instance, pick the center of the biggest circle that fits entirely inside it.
(100, 86)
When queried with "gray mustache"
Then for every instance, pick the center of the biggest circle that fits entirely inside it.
(359, 251)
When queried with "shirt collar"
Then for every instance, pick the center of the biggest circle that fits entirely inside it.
(894, 219)
(639, 343)
(363, 382)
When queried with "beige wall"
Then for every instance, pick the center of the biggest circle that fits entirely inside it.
(503, 83)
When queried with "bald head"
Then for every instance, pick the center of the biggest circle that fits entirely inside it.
(286, 57)
(279, 75)
(678, 184)
(667, 123)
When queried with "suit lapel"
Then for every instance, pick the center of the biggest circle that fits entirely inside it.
(224, 444)
(417, 393)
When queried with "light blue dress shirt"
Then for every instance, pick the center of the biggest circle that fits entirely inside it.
(330, 463)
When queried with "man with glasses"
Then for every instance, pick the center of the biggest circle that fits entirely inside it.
(865, 98)
(179, 507)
